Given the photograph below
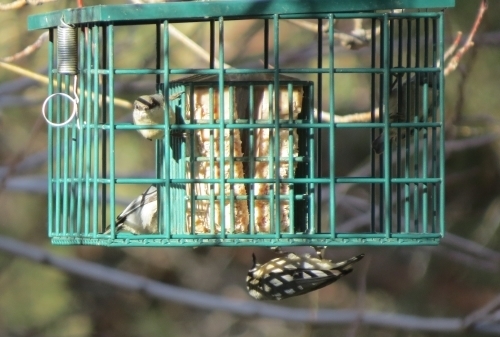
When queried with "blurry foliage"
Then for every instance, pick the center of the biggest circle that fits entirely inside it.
(36, 300)
(28, 302)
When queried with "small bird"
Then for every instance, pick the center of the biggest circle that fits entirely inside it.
(398, 102)
(148, 110)
(140, 216)
(292, 275)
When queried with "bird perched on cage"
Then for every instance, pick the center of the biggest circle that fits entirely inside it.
(140, 216)
(293, 275)
(399, 100)
(148, 110)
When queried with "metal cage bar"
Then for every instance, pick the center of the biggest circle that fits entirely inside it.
(404, 184)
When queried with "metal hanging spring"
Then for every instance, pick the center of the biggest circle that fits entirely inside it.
(67, 64)
(67, 49)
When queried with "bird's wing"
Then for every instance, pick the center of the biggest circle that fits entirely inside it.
(300, 281)
(148, 196)
(316, 276)
(306, 276)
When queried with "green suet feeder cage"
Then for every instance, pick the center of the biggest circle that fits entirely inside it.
(252, 155)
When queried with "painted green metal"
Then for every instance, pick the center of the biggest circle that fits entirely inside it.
(403, 190)
(201, 10)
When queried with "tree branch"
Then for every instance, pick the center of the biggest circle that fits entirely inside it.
(205, 301)
(482, 313)
(454, 61)
(21, 3)
(29, 49)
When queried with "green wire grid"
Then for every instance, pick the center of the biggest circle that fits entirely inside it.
(402, 192)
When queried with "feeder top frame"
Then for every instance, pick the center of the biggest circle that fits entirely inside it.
(204, 10)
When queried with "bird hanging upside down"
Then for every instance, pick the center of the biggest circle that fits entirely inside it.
(293, 275)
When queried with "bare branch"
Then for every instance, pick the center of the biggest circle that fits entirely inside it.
(363, 273)
(451, 49)
(45, 80)
(352, 41)
(482, 313)
(326, 117)
(31, 162)
(19, 156)
(453, 63)
(40, 78)
(24, 72)
(21, 3)
(356, 39)
(29, 49)
(452, 146)
(358, 23)
(311, 26)
(451, 66)
(471, 247)
(206, 301)
(465, 259)
(194, 46)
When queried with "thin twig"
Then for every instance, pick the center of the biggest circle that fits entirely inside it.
(471, 247)
(452, 146)
(465, 259)
(194, 46)
(21, 154)
(21, 3)
(356, 39)
(482, 313)
(45, 80)
(311, 26)
(454, 61)
(40, 78)
(363, 274)
(451, 49)
(451, 66)
(29, 163)
(29, 49)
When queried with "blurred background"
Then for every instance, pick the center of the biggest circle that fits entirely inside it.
(451, 280)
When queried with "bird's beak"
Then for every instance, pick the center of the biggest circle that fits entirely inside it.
(254, 261)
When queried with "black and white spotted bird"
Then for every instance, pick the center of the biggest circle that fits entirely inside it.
(293, 275)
